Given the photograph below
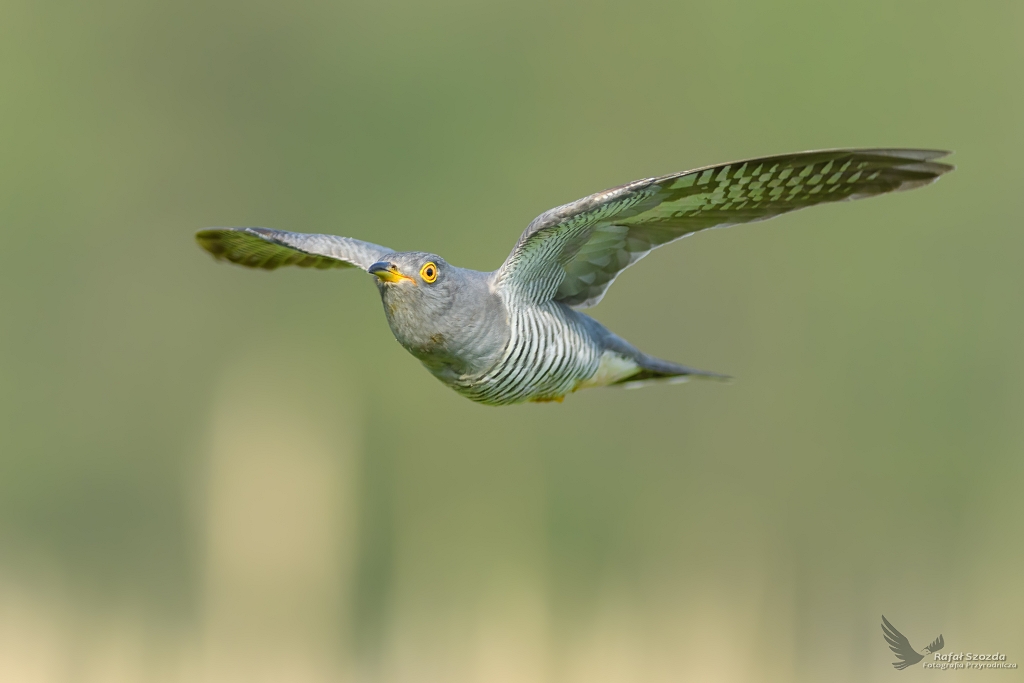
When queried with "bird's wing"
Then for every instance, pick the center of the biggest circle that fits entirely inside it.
(270, 249)
(899, 644)
(574, 252)
(937, 644)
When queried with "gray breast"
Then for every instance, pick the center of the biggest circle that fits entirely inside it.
(458, 328)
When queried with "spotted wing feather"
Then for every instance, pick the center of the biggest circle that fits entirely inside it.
(574, 252)
(270, 249)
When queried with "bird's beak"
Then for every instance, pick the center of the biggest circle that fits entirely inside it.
(388, 272)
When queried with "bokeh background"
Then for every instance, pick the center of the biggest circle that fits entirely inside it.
(214, 474)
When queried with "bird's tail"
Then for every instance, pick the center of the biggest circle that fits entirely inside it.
(653, 369)
(624, 364)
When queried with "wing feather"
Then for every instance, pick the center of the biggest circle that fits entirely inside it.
(574, 252)
(270, 249)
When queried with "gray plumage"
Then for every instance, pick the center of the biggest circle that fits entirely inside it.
(514, 334)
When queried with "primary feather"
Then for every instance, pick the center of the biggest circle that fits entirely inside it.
(574, 252)
(270, 249)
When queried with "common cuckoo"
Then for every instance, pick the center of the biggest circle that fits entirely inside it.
(516, 334)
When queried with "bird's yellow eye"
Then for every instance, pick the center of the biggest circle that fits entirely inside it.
(429, 272)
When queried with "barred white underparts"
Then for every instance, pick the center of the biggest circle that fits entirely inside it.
(550, 352)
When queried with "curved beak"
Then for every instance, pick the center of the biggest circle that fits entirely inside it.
(388, 272)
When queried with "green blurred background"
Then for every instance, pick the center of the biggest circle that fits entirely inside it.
(213, 474)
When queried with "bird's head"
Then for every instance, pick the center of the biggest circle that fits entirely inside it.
(415, 283)
(448, 317)
(409, 269)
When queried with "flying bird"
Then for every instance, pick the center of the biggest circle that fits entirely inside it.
(517, 334)
(899, 644)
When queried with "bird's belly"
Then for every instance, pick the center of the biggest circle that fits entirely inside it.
(547, 357)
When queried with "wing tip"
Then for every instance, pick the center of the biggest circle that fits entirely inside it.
(921, 161)
(215, 236)
(210, 239)
(218, 243)
(918, 153)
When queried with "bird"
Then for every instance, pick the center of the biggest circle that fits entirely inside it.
(899, 644)
(517, 334)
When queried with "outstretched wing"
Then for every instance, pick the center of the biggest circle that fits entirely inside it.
(270, 249)
(936, 644)
(899, 644)
(574, 252)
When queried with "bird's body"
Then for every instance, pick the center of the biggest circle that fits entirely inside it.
(479, 341)
(514, 334)
(549, 351)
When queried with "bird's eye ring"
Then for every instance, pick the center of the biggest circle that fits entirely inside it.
(429, 272)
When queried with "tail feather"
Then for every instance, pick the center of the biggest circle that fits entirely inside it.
(624, 364)
(657, 370)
